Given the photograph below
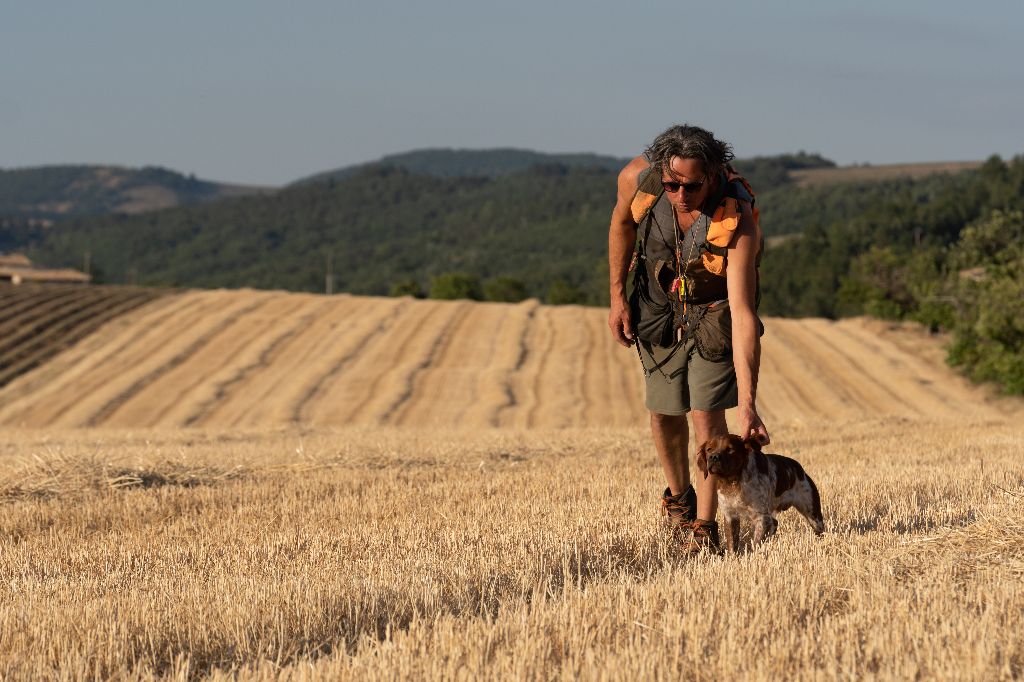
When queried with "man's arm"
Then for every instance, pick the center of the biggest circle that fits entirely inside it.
(746, 343)
(621, 241)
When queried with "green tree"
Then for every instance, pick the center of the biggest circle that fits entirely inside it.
(407, 287)
(988, 338)
(563, 293)
(506, 289)
(455, 285)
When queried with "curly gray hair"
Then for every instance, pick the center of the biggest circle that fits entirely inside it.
(690, 142)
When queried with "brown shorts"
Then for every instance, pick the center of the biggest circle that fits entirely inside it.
(686, 381)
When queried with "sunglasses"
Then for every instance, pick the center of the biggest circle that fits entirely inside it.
(690, 187)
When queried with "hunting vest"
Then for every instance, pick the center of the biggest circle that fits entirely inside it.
(667, 307)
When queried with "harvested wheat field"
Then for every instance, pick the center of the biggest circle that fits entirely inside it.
(247, 359)
(274, 486)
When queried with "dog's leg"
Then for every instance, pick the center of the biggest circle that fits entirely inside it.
(764, 526)
(732, 533)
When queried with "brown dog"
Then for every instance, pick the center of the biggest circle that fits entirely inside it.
(756, 486)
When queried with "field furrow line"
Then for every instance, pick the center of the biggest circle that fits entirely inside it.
(623, 377)
(546, 331)
(631, 379)
(16, 302)
(609, 384)
(370, 388)
(524, 318)
(926, 384)
(559, 380)
(222, 322)
(361, 393)
(175, 393)
(45, 394)
(42, 316)
(341, 334)
(320, 386)
(224, 390)
(455, 320)
(268, 396)
(824, 393)
(354, 363)
(458, 381)
(593, 400)
(488, 367)
(66, 332)
(872, 387)
(778, 400)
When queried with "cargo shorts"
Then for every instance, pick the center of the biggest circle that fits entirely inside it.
(686, 381)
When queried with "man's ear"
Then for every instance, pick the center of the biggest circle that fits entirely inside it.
(702, 460)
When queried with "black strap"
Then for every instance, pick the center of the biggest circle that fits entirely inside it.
(657, 367)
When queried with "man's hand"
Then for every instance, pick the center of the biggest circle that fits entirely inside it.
(620, 322)
(751, 425)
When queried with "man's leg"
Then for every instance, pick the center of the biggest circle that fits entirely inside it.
(707, 424)
(671, 440)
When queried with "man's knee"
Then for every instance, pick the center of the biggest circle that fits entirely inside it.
(667, 420)
(709, 423)
(668, 425)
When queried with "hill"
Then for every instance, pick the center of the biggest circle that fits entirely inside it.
(452, 163)
(49, 193)
(383, 226)
(248, 359)
(811, 177)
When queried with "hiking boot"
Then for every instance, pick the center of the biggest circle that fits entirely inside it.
(680, 511)
(705, 538)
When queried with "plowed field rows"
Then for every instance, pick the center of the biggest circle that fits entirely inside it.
(39, 321)
(250, 359)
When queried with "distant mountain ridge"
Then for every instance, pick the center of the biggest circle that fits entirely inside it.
(49, 193)
(450, 163)
(45, 194)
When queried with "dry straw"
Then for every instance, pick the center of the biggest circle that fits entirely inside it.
(383, 554)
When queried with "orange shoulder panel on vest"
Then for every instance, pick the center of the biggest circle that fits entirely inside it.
(720, 232)
(642, 204)
(648, 191)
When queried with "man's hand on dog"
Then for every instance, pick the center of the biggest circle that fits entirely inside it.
(751, 426)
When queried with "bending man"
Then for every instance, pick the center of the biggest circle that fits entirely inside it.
(692, 309)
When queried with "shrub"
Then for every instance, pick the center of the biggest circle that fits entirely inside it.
(455, 285)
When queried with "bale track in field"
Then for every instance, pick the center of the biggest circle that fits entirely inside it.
(226, 359)
(38, 321)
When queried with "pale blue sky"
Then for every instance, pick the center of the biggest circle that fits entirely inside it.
(265, 92)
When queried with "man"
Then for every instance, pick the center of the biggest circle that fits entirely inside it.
(692, 312)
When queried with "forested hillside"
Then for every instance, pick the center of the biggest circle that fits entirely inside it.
(48, 193)
(383, 227)
(452, 163)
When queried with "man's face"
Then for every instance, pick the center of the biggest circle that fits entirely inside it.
(686, 183)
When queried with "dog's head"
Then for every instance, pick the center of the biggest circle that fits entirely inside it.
(726, 456)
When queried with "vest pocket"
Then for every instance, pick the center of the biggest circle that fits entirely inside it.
(712, 334)
(713, 331)
(652, 320)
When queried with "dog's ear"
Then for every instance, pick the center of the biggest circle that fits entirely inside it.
(752, 444)
(702, 459)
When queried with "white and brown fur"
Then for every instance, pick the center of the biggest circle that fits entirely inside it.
(756, 486)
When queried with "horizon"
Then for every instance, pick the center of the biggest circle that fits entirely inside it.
(305, 176)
